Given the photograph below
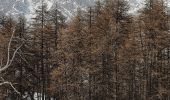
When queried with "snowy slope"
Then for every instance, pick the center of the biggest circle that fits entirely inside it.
(68, 7)
(13, 7)
(27, 7)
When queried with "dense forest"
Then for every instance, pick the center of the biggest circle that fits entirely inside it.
(102, 53)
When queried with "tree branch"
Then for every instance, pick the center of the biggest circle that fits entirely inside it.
(9, 83)
(9, 62)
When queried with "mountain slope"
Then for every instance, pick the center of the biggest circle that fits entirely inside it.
(68, 7)
(27, 7)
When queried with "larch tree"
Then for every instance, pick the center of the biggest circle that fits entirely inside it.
(154, 19)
